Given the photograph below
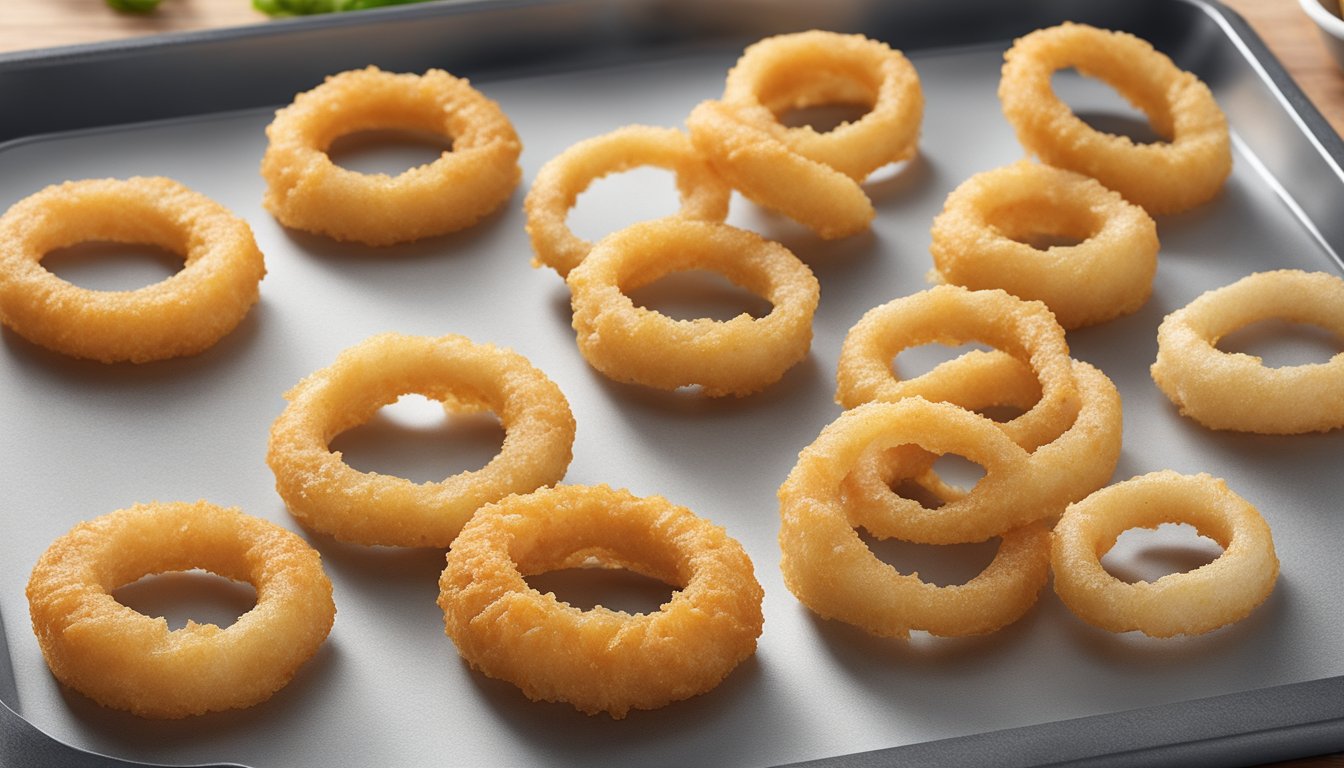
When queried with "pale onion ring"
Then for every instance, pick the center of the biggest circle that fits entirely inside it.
(949, 314)
(828, 567)
(182, 315)
(306, 190)
(773, 176)
(813, 68)
(1189, 603)
(1076, 462)
(599, 660)
(1168, 177)
(1235, 391)
(639, 345)
(564, 177)
(328, 495)
(978, 241)
(126, 660)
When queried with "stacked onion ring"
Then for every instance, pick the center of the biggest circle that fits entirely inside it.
(809, 176)
(1064, 446)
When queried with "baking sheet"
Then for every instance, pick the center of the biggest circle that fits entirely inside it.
(82, 439)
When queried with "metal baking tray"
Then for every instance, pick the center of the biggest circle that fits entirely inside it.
(388, 688)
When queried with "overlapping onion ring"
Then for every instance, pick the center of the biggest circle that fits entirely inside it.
(949, 314)
(125, 660)
(306, 190)
(563, 178)
(1081, 459)
(1189, 603)
(767, 172)
(328, 495)
(979, 381)
(599, 660)
(639, 345)
(1166, 177)
(980, 240)
(1011, 494)
(182, 315)
(829, 568)
(1235, 391)
(816, 68)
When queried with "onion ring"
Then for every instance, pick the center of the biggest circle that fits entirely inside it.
(1169, 177)
(599, 660)
(1009, 495)
(1081, 459)
(949, 314)
(638, 345)
(1077, 462)
(125, 660)
(812, 68)
(831, 571)
(1190, 603)
(563, 178)
(978, 241)
(327, 495)
(1237, 391)
(182, 315)
(771, 175)
(306, 190)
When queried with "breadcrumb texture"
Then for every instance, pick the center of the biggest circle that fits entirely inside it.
(125, 660)
(182, 315)
(600, 660)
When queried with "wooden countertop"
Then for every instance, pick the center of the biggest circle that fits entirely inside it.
(30, 24)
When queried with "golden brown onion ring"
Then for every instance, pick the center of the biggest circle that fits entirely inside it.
(328, 495)
(599, 660)
(980, 241)
(182, 315)
(639, 345)
(306, 190)
(1180, 173)
(1189, 603)
(125, 660)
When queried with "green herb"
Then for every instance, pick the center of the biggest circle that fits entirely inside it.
(306, 7)
(133, 6)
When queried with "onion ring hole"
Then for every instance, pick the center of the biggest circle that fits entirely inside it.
(1148, 554)
(1282, 343)
(109, 266)
(182, 596)
(590, 585)
(422, 439)
(1103, 108)
(391, 151)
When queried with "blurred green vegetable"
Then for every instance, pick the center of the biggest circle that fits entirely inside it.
(306, 7)
(133, 6)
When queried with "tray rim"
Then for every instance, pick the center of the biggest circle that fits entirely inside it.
(1222, 730)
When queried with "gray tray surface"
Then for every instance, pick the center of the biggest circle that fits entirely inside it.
(83, 439)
